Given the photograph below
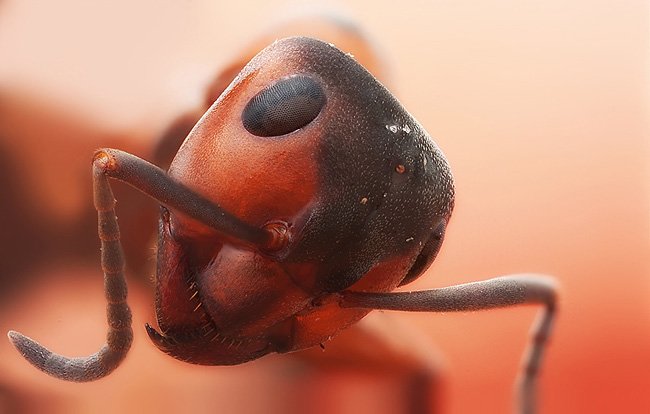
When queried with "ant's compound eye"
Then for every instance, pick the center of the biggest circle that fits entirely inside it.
(284, 107)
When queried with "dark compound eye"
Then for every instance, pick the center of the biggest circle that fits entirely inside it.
(284, 107)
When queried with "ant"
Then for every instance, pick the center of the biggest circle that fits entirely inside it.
(298, 203)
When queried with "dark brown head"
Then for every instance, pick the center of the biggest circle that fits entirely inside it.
(307, 140)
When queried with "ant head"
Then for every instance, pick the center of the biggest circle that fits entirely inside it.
(304, 140)
(306, 136)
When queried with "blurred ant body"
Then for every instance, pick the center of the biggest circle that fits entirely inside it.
(300, 201)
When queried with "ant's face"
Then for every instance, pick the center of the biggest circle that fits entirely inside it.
(306, 137)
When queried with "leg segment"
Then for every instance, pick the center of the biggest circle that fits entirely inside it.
(401, 355)
(120, 334)
(493, 293)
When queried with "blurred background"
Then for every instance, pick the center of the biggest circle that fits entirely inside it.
(541, 109)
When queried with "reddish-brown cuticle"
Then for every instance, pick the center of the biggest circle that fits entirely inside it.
(278, 236)
(400, 169)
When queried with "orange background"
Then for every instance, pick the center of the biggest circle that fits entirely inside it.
(541, 109)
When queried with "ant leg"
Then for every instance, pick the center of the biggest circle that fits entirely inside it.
(401, 356)
(154, 182)
(493, 293)
(120, 334)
